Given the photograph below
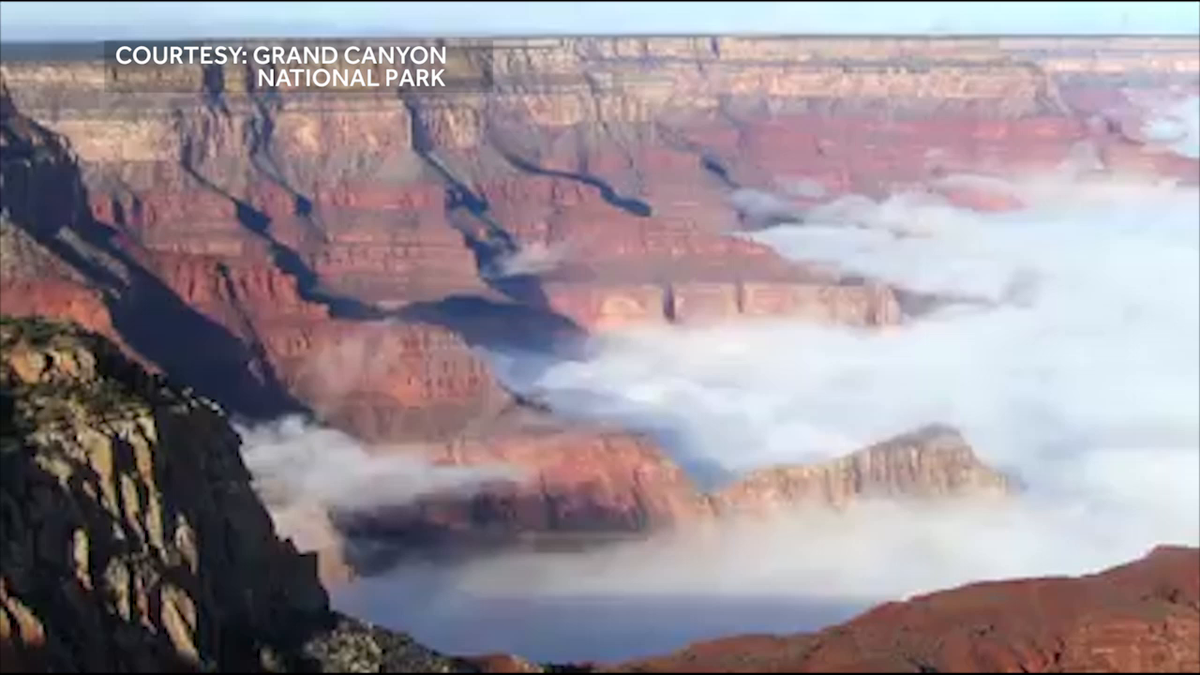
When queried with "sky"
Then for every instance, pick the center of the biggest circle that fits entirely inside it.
(75, 21)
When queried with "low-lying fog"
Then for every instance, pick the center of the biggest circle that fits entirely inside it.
(1076, 368)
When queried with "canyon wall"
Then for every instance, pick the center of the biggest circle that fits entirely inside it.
(132, 539)
(341, 254)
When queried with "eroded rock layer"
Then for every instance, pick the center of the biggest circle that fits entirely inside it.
(577, 482)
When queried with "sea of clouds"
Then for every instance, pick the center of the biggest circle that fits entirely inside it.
(1072, 364)
(1070, 359)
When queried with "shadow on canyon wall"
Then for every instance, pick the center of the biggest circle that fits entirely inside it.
(308, 284)
(708, 159)
(44, 195)
(526, 322)
(480, 321)
(261, 132)
(488, 240)
(472, 317)
(630, 205)
(63, 594)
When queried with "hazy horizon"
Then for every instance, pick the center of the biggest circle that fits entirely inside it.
(85, 21)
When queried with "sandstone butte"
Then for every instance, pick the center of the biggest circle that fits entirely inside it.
(133, 541)
(335, 253)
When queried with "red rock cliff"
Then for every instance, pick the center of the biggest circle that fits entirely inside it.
(603, 481)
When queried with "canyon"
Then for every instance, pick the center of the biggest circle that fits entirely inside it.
(352, 257)
(343, 254)
(133, 540)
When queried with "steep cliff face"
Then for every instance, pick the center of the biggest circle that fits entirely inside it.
(36, 281)
(282, 251)
(1139, 617)
(90, 264)
(132, 539)
(236, 326)
(265, 339)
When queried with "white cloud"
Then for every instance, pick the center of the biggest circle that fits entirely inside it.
(296, 463)
(761, 209)
(1089, 295)
(532, 258)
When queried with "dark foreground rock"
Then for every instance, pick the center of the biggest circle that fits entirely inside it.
(132, 539)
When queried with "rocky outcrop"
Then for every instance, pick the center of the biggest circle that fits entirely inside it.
(35, 281)
(565, 482)
(132, 539)
(1139, 617)
(583, 481)
(44, 199)
(934, 462)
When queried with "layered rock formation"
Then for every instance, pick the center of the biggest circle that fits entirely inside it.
(1139, 617)
(614, 483)
(931, 463)
(617, 154)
